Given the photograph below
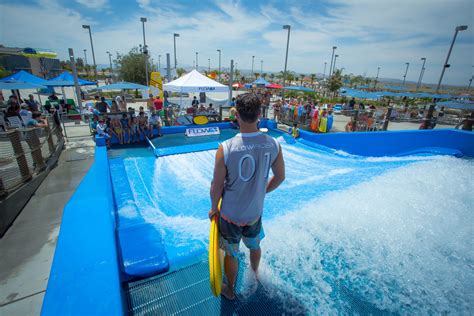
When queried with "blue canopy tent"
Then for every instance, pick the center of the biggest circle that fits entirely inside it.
(18, 85)
(27, 78)
(67, 80)
(467, 105)
(124, 85)
(261, 82)
(23, 76)
(298, 88)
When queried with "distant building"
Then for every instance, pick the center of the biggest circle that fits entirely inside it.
(40, 62)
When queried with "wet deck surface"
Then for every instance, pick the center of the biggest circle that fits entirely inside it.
(28, 246)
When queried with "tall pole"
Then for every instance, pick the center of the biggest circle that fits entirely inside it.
(469, 86)
(159, 63)
(334, 65)
(219, 75)
(261, 67)
(324, 73)
(421, 73)
(376, 77)
(429, 114)
(110, 62)
(174, 42)
(253, 57)
(145, 51)
(287, 27)
(85, 57)
(92, 47)
(332, 59)
(168, 67)
(446, 65)
(76, 81)
(405, 75)
(197, 67)
(209, 65)
(231, 79)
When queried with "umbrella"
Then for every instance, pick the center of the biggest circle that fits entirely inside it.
(123, 85)
(66, 80)
(14, 85)
(298, 88)
(237, 85)
(274, 86)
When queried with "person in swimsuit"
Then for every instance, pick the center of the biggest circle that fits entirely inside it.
(125, 127)
(134, 129)
(142, 124)
(116, 129)
(241, 179)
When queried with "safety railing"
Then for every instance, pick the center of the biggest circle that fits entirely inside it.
(24, 153)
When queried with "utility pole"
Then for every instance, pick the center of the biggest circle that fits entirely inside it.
(145, 51)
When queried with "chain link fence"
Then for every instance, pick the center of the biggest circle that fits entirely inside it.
(24, 153)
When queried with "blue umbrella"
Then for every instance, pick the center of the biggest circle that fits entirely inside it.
(467, 105)
(298, 88)
(14, 85)
(123, 85)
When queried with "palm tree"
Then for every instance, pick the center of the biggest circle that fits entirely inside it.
(313, 76)
(264, 75)
(272, 76)
(301, 79)
(180, 71)
(256, 75)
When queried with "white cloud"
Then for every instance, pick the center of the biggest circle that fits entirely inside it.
(368, 34)
(93, 4)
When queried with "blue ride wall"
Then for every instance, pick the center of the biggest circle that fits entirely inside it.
(394, 143)
(85, 275)
(85, 278)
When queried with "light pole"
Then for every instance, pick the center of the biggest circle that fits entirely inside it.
(197, 67)
(253, 57)
(421, 73)
(174, 42)
(145, 51)
(219, 74)
(286, 27)
(88, 27)
(110, 61)
(429, 114)
(334, 65)
(324, 73)
(470, 82)
(85, 61)
(261, 67)
(159, 63)
(405, 75)
(209, 65)
(446, 65)
(332, 58)
(376, 77)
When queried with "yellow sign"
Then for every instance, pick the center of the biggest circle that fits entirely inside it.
(156, 82)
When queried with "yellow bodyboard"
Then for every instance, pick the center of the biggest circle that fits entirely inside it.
(215, 268)
(201, 120)
(322, 125)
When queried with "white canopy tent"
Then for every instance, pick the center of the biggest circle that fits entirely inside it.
(194, 82)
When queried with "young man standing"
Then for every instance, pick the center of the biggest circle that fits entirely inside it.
(241, 179)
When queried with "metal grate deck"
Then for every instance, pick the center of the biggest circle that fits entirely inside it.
(187, 292)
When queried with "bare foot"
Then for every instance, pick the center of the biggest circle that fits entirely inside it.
(227, 292)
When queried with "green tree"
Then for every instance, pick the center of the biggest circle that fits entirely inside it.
(313, 76)
(301, 79)
(4, 72)
(272, 76)
(131, 66)
(335, 82)
(180, 71)
(256, 75)
(264, 75)
(237, 73)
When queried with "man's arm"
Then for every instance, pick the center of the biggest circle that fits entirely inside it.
(217, 185)
(278, 169)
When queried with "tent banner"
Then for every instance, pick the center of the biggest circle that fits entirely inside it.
(156, 82)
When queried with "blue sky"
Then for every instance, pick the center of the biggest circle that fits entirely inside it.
(368, 33)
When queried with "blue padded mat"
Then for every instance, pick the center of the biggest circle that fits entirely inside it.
(160, 152)
(141, 247)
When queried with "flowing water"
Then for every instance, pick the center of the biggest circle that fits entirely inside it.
(343, 233)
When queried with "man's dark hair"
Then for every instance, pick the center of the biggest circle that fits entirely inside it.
(248, 106)
(36, 114)
(295, 124)
(102, 99)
